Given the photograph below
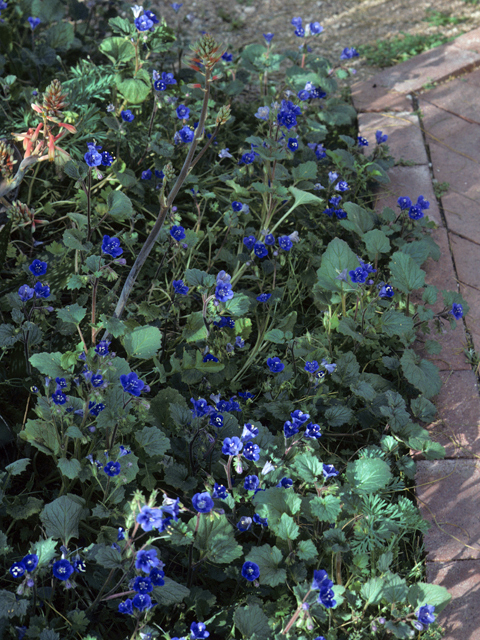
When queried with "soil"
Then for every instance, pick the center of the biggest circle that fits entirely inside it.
(347, 23)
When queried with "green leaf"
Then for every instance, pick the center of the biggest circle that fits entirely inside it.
(423, 409)
(268, 559)
(368, 475)
(275, 335)
(422, 374)
(338, 415)
(418, 250)
(195, 328)
(304, 197)
(376, 242)
(25, 508)
(143, 342)
(62, 517)
(114, 326)
(430, 294)
(69, 467)
(432, 347)
(394, 323)
(198, 278)
(326, 508)
(272, 503)
(12, 606)
(47, 10)
(337, 257)
(170, 593)
(74, 239)
(119, 205)
(423, 593)
(108, 558)
(207, 367)
(117, 49)
(122, 25)
(372, 591)
(384, 561)
(395, 589)
(306, 550)
(305, 171)
(401, 630)
(72, 313)
(134, 90)
(359, 219)
(406, 275)
(45, 550)
(286, 529)
(17, 467)
(153, 441)
(42, 435)
(8, 335)
(238, 305)
(251, 621)
(76, 170)
(308, 467)
(60, 36)
(216, 539)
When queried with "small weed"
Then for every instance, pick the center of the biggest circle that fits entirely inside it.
(472, 1)
(221, 13)
(386, 53)
(440, 19)
(441, 188)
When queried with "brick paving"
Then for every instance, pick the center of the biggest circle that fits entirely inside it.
(440, 143)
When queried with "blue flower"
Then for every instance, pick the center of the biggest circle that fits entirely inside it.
(348, 53)
(329, 367)
(95, 409)
(111, 246)
(18, 569)
(127, 115)
(224, 153)
(285, 243)
(311, 367)
(30, 562)
(315, 28)
(131, 384)
(143, 23)
(125, 607)
(275, 365)
(146, 560)
(62, 383)
(239, 342)
(34, 22)
(358, 275)
(112, 468)
(62, 569)
(457, 311)
(332, 176)
(268, 37)
(292, 144)
(248, 157)
(259, 520)
(342, 186)
(269, 239)
(296, 22)
(249, 431)
(320, 152)
(312, 430)
(404, 203)
(121, 534)
(198, 631)
(263, 297)
(38, 268)
(415, 212)
(422, 203)
(223, 291)
(202, 502)
(152, 16)
(362, 142)
(200, 407)
(300, 32)
(260, 250)
(386, 291)
(25, 293)
(149, 518)
(176, 6)
(184, 135)
(304, 95)
(251, 483)
(182, 112)
(340, 213)
(220, 491)
(102, 348)
(79, 565)
(142, 601)
(41, 290)
(290, 428)
(157, 577)
(147, 174)
(107, 159)
(228, 57)
(180, 288)
(59, 397)
(142, 584)
(287, 115)
(329, 471)
(425, 614)
(216, 419)
(250, 571)
(251, 451)
(320, 580)
(380, 137)
(93, 158)
(177, 232)
(244, 524)
(285, 483)
(96, 380)
(248, 241)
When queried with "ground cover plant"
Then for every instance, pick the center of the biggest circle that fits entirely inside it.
(208, 380)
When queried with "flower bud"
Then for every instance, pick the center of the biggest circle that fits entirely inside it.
(223, 115)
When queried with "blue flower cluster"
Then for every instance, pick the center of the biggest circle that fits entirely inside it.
(313, 28)
(326, 595)
(313, 367)
(259, 248)
(361, 273)
(298, 419)
(310, 92)
(144, 21)
(147, 562)
(348, 53)
(132, 384)
(287, 114)
(154, 518)
(223, 290)
(94, 159)
(26, 565)
(163, 80)
(415, 211)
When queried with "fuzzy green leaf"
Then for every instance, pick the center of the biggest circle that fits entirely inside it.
(62, 517)
(406, 275)
(251, 620)
(422, 374)
(326, 508)
(368, 475)
(143, 342)
(268, 559)
(153, 441)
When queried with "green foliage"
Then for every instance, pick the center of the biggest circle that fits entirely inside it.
(386, 53)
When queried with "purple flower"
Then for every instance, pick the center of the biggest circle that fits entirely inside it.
(198, 631)
(232, 446)
(457, 311)
(275, 365)
(125, 607)
(102, 348)
(111, 246)
(329, 471)
(62, 569)
(180, 288)
(348, 53)
(142, 601)
(224, 153)
(251, 451)
(38, 268)
(311, 367)
(263, 297)
(251, 483)
(131, 384)
(425, 614)
(25, 293)
(248, 241)
(380, 137)
(220, 491)
(202, 502)
(127, 115)
(147, 174)
(260, 250)
(143, 23)
(362, 142)
(112, 468)
(239, 342)
(30, 562)
(177, 232)
(18, 569)
(285, 243)
(34, 22)
(182, 112)
(268, 37)
(315, 28)
(250, 571)
(386, 291)
(404, 203)
(176, 6)
(142, 584)
(147, 560)
(415, 212)
(149, 518)
(292, 144)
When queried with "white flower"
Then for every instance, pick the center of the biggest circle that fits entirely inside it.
(137, 10)
(268, 466)
(294, 237)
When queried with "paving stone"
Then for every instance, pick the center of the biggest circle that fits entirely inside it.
(473, 77)
(462, 213)
(405, 138)
(466, 255)
(470, 41)
(452, 356)
(457, 426)
(462, 579)
(411, 182)
(368, 96)
(441, 273)
(445, 96)
(447, 492)
(435, 65)
(472, 319)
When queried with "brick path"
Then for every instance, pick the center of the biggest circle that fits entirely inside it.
(443, 145)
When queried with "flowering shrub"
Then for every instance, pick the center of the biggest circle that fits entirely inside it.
(207, 343)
